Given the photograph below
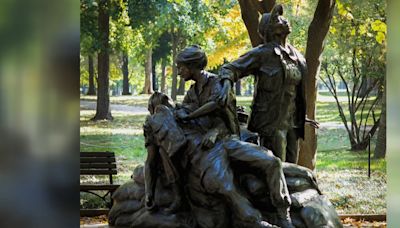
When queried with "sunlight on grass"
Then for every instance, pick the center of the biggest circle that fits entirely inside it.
(328, 112)
(345, 159)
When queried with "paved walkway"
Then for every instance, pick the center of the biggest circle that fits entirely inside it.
(322, 98)
(331, 125)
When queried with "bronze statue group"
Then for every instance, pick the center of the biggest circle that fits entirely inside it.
(194, 151)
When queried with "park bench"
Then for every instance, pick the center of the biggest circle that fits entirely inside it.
(98, 164)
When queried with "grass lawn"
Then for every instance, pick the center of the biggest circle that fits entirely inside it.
(342, 174)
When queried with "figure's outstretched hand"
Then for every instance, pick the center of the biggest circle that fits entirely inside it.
(313, 123)
(222, 98)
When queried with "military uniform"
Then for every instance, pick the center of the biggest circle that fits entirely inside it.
(278, 107)
(209, 91)
(213, 166)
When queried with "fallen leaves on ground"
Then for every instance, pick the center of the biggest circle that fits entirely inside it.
(349, 222)
(102, 219)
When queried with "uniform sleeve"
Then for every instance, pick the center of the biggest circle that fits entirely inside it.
(215, 89)
(246, 64)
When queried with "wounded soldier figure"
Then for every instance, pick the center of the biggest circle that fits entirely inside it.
(208, 170)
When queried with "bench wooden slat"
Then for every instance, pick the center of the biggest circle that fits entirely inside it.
(97, 160)
(93, 212)
(98, 187)
(97, 166)
(98, 172)
(97, 163)
(97, 154)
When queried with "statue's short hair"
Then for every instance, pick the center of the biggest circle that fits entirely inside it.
(158, 98)
(193, 56)
(264, 28)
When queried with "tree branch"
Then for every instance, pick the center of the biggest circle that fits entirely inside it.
(250, 16)
(265, 6)
(332, 89)
(369, 111)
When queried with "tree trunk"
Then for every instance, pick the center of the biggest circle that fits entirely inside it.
(153, 70)
(103, 95)
(364, 87)
(317, 32)
(238, 88)
(181, 89)
(148, 81)
(361, 146)
(380, 149)
(174, 69)
(163, 76)
(92, 88)
(251, 11)
(125, 73)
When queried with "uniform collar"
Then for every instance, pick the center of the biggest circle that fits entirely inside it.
(278, 50)
(204, 82)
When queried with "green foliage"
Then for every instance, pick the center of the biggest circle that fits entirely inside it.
(88, 23)
(355, 55)
(359, 29)
(123, 38)
(84, 73)
(163, 49)
(299, 16)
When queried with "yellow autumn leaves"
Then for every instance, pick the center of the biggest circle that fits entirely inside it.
(377, 26)
(380, 28)
(236, 33)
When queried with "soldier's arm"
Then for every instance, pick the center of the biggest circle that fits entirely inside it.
(229, 73)
(211, 105)
(245, 65)
(206, 109)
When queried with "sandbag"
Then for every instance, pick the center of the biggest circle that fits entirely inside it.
(129, 191)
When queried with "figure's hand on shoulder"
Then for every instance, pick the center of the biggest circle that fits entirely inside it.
(222, 98)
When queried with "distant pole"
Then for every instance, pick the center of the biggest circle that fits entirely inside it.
(369, 155)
